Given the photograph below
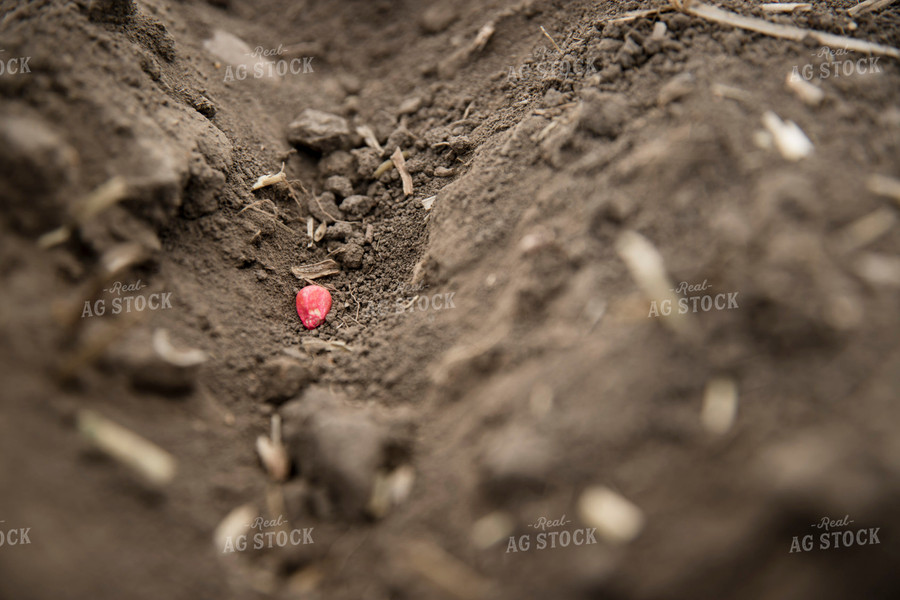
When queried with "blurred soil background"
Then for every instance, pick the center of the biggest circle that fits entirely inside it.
(491, 357)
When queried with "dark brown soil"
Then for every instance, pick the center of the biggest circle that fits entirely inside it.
(536, 377)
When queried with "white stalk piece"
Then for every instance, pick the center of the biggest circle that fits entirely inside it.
(788, 137)
(267, 180)
(616, 518)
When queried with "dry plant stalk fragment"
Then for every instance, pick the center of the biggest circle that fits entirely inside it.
(810, 94)
(446, 572)
(720, 403)
(400, 162)
(786, 7)
(267, 180)
(882, 185)
(368, 135)
(106, 195)
(616, 518)
(132, 450)
(316, 270)
(869, 6)
(320, 232)
(387, 166)
(867, 229)
(484, 35)
(273, 454)
(390, 490)
(649, 271)
(235, 524)
(638, 14)
(788, 137)
(552, 41)
(169, 353)
(778, 30)
(491, 529)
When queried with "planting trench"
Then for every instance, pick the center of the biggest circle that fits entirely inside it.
(499, 371)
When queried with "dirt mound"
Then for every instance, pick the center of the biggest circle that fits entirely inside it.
(629, 334)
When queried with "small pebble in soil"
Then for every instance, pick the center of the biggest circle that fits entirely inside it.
(339, 185)
(324, 208)
(313, 305)
(340, 450)
(356, 207)
(351, 256)
(460, 144)
(338, 163)
(283, 378)
(319, 131)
